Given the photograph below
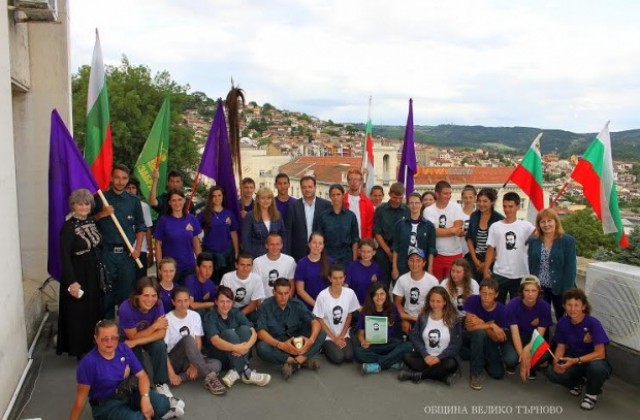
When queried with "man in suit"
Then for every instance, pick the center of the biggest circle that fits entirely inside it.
(302, 217)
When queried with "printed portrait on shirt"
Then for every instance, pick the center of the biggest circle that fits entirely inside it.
(510, 240)
(434, 338)
(241, 292)
(414, 295)
(273, 276)
(337, 315)
(442, 221)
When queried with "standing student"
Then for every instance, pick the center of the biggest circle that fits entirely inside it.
(436, 339)
(412, 288)
(376, 195)
(160, 203)
(478, 230)
(312, 271)
(340, 228)
(146, 251)
(362, 273)
(507, 246)
(274, 264)
(283, 199)
(468, 196)
(248, 187)
(246, 287)
(333, 309)
(447, 219)
(357, 201)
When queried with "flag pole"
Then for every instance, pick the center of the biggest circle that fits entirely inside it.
(193, 190)
(105, 203)
(365, 155)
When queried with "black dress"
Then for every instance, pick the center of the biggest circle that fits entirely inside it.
(78, 317)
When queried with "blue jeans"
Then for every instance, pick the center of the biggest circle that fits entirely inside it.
(130, 409)
(595, 373)
(157, 351)
(485, 354)
(229, 361)
(383, 354)
(273, 355)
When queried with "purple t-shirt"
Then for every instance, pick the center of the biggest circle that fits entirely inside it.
(200, 292)
(391, 329)
(131, 317)
(283, 206)
(218, 238)
(177, 236)
(359, 278)
(473, 305)
(104, 375)
(165, 297)
(309, 273)
(580, 339)
(527, 318)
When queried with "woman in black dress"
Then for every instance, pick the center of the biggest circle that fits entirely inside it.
(80, 295)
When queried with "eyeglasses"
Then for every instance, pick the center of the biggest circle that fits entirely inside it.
(109, 339)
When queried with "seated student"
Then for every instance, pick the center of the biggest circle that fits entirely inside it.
(460, 285)
(166, 274)
(413, 287)
(525, 313)
(333, 310)
(289, 334)
(312, 271)
(230, 337)
(274, 264)
(246, 287)
(377, 357)
(200, 285)
(144, 326)
(436, 339)
(486, 323)
(102, 371)
(362, 273)
(581, 355)
(184, 344)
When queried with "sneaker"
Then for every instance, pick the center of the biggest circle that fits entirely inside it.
(368, 368)
(213, 384)
(230, 378)
(163, 389)
(576, 391)
(397, 366)
(288, 369)
(450, 379)
(255, 378)
(408, 375)
(311, 364)
(510, 370)
(532, 375)
(589, 402)
(173, 413)
(475, 382)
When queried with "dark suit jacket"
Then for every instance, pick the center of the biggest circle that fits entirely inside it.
(296, 226)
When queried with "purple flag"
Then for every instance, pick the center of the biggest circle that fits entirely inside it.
(68, 171)
(408, 163)
(216, 161)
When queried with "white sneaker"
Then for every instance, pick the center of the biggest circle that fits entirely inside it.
(173, 413)
(260, 379)
(163, 389)
(230, 378)
(177, 403)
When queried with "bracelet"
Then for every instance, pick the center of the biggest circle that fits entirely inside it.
(579, 360)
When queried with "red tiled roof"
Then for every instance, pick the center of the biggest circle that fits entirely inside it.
(462, 175)
(325, 169)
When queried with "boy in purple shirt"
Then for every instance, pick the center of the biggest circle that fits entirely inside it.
(200, 285)
(485, 322)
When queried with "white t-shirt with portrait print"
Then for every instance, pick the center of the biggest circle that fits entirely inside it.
(457, 299)
(436, 336)
(334, 311)
(269, 270)
(179, 327)
(244, 291)
(414, 292)
(509, 241)
(445, 218)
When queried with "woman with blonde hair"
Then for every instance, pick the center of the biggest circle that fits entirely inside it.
(552, 257)
(256, 226)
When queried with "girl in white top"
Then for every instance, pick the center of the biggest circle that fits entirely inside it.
(468, 196)
(333, 308)
(460, 285)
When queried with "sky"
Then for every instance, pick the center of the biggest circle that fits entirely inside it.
(563, 64)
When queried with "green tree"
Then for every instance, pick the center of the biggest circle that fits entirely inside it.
(585, 227)
(135, 97)
(629, 255)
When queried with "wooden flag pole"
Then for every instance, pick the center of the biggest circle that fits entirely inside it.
(105, 203)
(193, 190)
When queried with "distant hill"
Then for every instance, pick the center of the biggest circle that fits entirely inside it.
(515, 139)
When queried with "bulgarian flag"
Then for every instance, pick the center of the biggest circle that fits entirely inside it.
(367, 157)
(595, 172)
(528, 176)
(98, 149)
(538, 346)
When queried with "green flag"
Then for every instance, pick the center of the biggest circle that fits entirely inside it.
(155, 153)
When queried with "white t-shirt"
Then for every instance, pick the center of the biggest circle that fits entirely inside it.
(445, 218)
(269, 270)
(354, 206)
(509, 241)
(146, 215)
(414, 292)
(334, 311)
(436, 336)
(457, 300)
(244, 291)
(465, 225)
(178, 328)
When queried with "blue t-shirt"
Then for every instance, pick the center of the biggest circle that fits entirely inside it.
(309, 273)
(104, 375)
(131, 317)
(580, 339)
(200, 292)
(177, 236)
(165, 297)
(283, 206)
(360, 278)
(527, 319)
(473, 305)
(218, 237)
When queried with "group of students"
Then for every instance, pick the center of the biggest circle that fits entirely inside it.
(413, 265)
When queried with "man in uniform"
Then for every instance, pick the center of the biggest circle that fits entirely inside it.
(119, 262)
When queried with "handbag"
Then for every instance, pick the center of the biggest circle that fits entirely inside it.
(126, 388)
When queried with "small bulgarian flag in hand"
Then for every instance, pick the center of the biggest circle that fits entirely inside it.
(538, 347)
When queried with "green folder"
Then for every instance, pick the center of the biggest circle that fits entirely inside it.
(375, 329)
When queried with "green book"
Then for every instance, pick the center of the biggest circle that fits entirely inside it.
(375, 329)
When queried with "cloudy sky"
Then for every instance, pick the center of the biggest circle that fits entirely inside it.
(570, 64)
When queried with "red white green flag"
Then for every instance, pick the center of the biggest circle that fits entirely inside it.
(367, 161)
(538, 347)
(528, 176)
(98, 148)
(595, 172)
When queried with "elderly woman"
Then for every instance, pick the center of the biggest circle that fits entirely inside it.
(262, 220)
(552, 257)
(80, 295)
